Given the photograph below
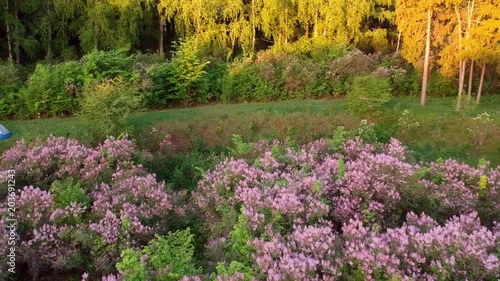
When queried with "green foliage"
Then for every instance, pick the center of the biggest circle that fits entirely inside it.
(341, 71)
(243, 83)
(131, 267)
(368, 94)
(338, 139)
(68, 191)
(163, 259)
(406, 123)
(100, 65)
(10, 105)
(187, 74)
(319, 49)
(441, 86)
(9, 78)
(52, 90)
(481, 129)
(233, 268)
(161, 90)
(106, 106)
(241, 148)
(240, 249)
(215, 74)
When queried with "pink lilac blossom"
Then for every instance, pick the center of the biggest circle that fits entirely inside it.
(285, 197)
(34, 205)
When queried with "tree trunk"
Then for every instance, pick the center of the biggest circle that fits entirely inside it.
(48, 56)
(461, 82)
(285, 31)
(316, 16)
(17, 49)
(461, 79)
(399, 42)
(423, 94)
(480, 89)
(469, 89)
(461, 69)
(254, 28)
(160, 41)
(7, 27)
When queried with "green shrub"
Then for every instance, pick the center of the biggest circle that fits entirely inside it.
(9, 79)
(188, 74)
(100, 65)
(215, 74)
(243, 82)
(142, 65)
(174, 252)
(106, 106)
(161, 90)
(368, 94)
(10, 105)
(441, 86)
(68, 191)
(409, 85)
(299, 77)
(52, 90)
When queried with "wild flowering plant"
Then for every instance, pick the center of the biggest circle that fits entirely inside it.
(482, 125)
(407, 123)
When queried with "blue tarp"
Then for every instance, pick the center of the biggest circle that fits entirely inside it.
(4, 133)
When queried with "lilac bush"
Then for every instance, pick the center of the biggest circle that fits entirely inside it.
(316, 214)
(42, 162)
(83, 201)
(328, 210)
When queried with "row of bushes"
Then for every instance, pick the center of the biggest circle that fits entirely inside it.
(275, 74)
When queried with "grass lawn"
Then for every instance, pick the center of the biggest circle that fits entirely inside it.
(441, 128)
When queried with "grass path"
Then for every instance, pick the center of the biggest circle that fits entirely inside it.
(275, 119)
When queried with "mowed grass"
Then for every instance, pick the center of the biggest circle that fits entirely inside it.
(443, 132)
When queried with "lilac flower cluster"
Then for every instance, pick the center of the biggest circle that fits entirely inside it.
(122, 205)
(315, 214)
(423, 250)
(129, 200)
(59, 157)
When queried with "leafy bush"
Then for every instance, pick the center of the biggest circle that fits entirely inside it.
(243, 82)
(101, 65)
(188, 74)
(162, 89)
(299, 77)
(215, 75)
(9, 79)
(163, 259)
(367, 94)
(441, 86)
(10, 105)
(52, 90)
(105, 106)
(274, 77)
